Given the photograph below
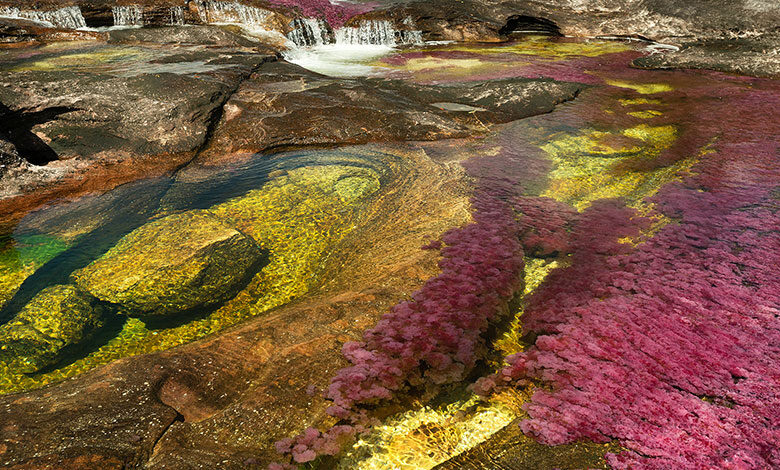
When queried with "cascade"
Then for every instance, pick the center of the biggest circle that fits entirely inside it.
(68, 17)
(310, 32)
(410, 35)
(231, 12)
(129, 15)
(177, 16)
(377, 32)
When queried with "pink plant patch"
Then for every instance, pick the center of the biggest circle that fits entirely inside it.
(335, 14)
(671, 348)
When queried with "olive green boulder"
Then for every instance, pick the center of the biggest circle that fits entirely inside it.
(170, 265)
(56, 317)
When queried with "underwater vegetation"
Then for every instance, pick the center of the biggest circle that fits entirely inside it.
(435, 337)
(615, 286)
(206, 269)
(670, 346)
(650, 237)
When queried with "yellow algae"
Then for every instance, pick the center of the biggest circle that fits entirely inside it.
(100, 56)
(425, 63)
(638, 101)
(641, 88)
(543, 46)
(424, 438)
(298, 218)
(647, 114)
(316, 200)
(591, 142)
(582, 190)
(582, 175)
(657, 222)
(658, 137)
(536, 271)
(436, 67)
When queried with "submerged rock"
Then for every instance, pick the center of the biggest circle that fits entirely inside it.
(177, 263)
(59, 316)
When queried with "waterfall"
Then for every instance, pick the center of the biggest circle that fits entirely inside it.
(177, 16)
(68, 17)
(411, 37)
(130, 15)
(310, 32)
(231, 12)
(378, 32)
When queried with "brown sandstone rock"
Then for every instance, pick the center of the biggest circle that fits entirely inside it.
(284, 106)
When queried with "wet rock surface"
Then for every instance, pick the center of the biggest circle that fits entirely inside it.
(655, 19)
(17, 32)
(151, 109)
(172, 265)
(9, 156)
(136, 103)
(283, 105)
(757, 57)
(100, 115)
(59, 316)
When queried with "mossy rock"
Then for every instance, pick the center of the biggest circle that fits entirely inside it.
(57, 317)
(174, 264)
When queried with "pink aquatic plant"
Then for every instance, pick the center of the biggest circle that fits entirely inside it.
(436, 336)
(671, 348)
(334, 13)
(545, 226)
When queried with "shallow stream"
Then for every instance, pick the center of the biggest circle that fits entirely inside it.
(630, 140)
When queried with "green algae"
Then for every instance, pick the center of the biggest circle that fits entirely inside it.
(85, 60)
(173, 264)
(298, 217)
(22, 257)
(56, 317)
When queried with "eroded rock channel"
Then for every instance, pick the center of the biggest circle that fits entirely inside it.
(389, 235)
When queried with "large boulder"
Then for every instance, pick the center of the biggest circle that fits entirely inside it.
(174, 264)
(59, 316)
